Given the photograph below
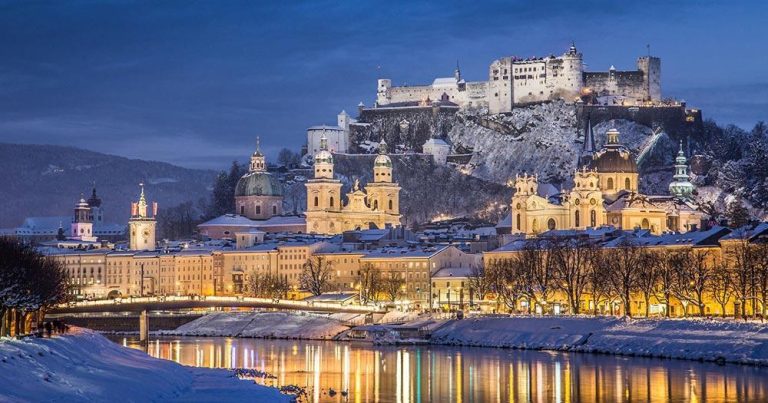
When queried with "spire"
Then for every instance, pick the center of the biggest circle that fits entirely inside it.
(457, 72)
(589, 138)
(258, 146)
(681, 186)
(142, 204)
(382, 147)
(258, 162)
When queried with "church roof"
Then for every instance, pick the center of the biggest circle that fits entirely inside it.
(614, 159)
(258, 184)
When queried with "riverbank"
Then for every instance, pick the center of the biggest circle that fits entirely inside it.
(85, 366)
(691, 339)
(278, 325)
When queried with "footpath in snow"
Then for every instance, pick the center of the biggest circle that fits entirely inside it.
(85, 366)
(708, 340)
(279, 325)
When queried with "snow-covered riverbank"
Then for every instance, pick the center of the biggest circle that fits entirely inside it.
(280, 325)
(85, 366)
(708, 340)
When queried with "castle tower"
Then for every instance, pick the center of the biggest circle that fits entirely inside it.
(141, 225)
(258, 193)
(651, 68)
(681, 186)
(571, 79)
(383, 96)
(82, 223)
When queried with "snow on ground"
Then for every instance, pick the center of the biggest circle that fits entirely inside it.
(261, 325)
(708, 340)
(85, 366)
(397, 316)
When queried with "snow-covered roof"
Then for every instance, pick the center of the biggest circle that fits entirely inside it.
(405, 252)
(325, 127)
(436, 142)
(454, 272)
(444, 82)
(230, 220)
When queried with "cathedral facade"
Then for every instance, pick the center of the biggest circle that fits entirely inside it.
(606, 192)
(377, 205)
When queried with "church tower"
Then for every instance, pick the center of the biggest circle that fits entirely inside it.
(585, 201)
(258, 193)
(141, 225)
(383, 193)
(323, 193)
(82, 222)
(681, 186)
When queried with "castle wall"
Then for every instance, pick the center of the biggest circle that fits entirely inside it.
(676, 120)
(423, 123)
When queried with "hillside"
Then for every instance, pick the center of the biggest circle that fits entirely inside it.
(43, 180)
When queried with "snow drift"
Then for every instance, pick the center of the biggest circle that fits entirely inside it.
(85, 366)
(706, 340)
(262, 325)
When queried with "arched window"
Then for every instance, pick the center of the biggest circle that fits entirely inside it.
(375, 204)
(593, 218)
(517, 220)
(576, 219)
(331, 201)
(535, 225)
(317, 201)
(274, 209)
(627, 184)
(645, 224)
(610, 183)
(551, 224)
(390, 204)
(258, 209)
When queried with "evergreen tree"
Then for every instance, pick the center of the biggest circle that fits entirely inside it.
(223, 197)
(736, 214)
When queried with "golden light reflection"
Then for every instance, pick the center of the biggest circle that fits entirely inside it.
(429, 373)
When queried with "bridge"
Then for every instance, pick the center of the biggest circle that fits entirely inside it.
(174, 303)
(132, 309)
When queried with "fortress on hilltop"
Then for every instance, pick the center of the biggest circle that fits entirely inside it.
(518, 81)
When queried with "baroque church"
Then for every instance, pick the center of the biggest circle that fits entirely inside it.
(606, 192)
(258, 193)
(375, 206)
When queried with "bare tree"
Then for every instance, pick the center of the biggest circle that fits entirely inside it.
(370, 283)
(533, 266)
(316, 275)
(722, 285)
(665, 272)
(743, 260)
(623, 261)
(393, 285)
(597, 276)
(648, 278)
(479, 284)
(693, 272)
(761, 269)
(571, 258)
(267, 285)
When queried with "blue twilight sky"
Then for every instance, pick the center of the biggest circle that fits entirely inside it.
(194, 82)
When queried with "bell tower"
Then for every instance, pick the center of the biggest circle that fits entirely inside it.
(82, 222)
(141, 225)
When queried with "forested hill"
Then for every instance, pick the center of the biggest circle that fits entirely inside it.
(45, 180)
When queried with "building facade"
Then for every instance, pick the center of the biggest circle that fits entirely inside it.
(377, 205)
(515, 81)
(258, 193)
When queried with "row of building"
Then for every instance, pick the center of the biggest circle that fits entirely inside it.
(435, 275)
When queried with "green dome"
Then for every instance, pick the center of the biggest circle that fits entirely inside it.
(258, 184)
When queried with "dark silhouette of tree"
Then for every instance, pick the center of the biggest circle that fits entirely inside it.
(316, 275)
(370, 283)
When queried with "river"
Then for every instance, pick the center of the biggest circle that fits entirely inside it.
(428, 373)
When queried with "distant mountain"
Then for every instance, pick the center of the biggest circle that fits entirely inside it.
(44, 180)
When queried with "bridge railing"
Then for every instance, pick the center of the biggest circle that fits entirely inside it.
(225, 300)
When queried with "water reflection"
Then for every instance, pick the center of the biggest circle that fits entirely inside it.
(447, 374)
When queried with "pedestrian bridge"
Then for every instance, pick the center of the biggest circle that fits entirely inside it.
(175, 303)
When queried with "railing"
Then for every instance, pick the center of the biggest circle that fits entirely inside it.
(229, 301)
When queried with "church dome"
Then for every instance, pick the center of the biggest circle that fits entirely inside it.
(382, 160)
(324, 156)
(258, 184)
(613, 157)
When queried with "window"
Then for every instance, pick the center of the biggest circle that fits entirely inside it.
(576, 219)
(627, 184)
(551, 224)
(593, 218)
(610, 183)
(331, 201)
(242, 210)
(390, 204)
(258, 209)
(274, 209)
(375, 204)
(316, 201)
(517, 220)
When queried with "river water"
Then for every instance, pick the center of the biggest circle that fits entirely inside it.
(428, 373)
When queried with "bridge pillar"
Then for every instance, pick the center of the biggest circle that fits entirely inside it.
(144, 327)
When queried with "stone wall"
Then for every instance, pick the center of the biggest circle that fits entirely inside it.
(128, 323)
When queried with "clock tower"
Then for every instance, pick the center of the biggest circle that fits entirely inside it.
(141, 225)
